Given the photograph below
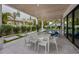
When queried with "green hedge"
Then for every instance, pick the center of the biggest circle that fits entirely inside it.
(33, 28)
(23, 28)
(14, 29)
(5, 29)
(28, 28)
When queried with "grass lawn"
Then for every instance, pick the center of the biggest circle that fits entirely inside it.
(19, 36)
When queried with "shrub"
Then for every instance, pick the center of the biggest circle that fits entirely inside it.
(28, 28)
(33, 28)
(0, 30)
(23, 28)
(6, 29)
(9, 29)
(16, 29)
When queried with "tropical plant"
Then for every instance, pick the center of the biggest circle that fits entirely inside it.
(34, 22)
(5, 17)
(45, 24)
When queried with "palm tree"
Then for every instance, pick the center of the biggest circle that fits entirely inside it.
(15, 14)
(14, 17)
(5, 17)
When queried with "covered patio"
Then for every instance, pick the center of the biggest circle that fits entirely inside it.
(40, 42)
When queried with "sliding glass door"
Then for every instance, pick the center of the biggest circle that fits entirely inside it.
(76, 27)
(65, 26)
(70, 26)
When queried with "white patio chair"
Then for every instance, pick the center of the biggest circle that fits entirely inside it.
(43, 42)
(34, 40)
(27, 41)
(54, 40)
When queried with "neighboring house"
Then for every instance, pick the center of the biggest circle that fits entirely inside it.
(18, 22)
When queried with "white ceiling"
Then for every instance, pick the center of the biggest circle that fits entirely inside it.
(50, 11)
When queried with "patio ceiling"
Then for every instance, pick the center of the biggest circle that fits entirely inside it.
(50, 11)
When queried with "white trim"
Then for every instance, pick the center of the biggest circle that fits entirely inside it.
(70, 8)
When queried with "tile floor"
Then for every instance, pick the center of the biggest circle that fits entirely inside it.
(19, 47)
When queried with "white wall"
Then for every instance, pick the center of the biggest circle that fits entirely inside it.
(1, 40)
(0, 14)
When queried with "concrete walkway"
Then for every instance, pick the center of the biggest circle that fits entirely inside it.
(19, 47)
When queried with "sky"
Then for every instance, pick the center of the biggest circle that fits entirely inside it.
(6, 8)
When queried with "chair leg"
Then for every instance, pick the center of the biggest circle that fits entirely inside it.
(25, 43)
(56, 47)
(38, 48)
(45, 49)
(35, 46)
(48, 47)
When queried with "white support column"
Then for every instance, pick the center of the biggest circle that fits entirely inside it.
(62, 26)
(36, 23)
